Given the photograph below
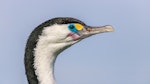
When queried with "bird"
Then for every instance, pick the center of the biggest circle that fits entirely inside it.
(48, 40)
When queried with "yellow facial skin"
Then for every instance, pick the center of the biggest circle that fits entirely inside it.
(78, 27)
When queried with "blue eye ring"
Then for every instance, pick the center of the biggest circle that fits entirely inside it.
(72, 28)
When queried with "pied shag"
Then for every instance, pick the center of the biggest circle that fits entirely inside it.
(48, 40)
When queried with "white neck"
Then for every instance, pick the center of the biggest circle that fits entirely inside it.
(44, 65)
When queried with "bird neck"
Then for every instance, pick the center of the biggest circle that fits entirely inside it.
(40, 63)
(45, 55)
(44, 65)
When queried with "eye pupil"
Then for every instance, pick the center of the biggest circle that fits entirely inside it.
(71, 27)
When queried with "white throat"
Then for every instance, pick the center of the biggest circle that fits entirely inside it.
(45, 54)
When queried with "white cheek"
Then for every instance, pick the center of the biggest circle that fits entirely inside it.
(56, 32)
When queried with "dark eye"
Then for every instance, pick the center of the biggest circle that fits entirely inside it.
(72, 28)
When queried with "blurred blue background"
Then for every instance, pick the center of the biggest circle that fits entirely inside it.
(120, 57)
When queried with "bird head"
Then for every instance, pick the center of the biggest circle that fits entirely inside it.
(70, 30)
(48, 40)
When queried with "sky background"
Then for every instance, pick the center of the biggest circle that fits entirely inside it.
(120, 57)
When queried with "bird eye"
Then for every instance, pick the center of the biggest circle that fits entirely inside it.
(72, 28)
